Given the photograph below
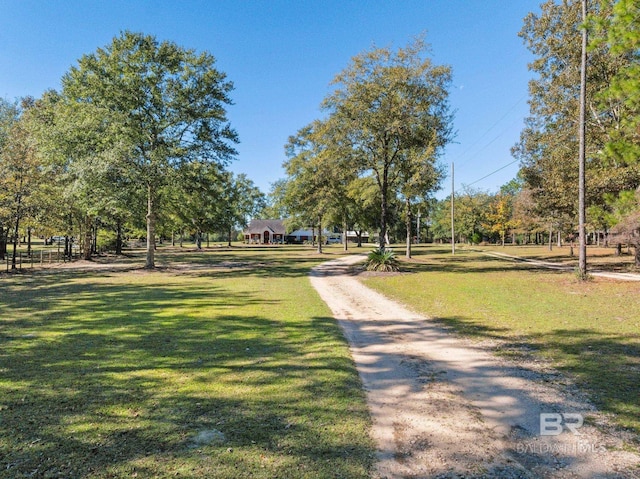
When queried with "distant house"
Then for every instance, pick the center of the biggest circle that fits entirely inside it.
(264, 232)
(300, 236)
(304, 236)
(353, 236)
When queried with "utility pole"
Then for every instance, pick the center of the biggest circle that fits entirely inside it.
(582, 260)
(453, 231)
(418, 227)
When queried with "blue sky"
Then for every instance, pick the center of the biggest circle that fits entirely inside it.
(282, 55)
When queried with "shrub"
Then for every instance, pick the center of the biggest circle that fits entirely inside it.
(107, 241)
(382, 260)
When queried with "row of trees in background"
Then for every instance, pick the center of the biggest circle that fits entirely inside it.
(137, 139)
(510, 216)
(372, 162)
(548, 146)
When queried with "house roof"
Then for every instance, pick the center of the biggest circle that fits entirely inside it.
(303, 232)
(260, 226)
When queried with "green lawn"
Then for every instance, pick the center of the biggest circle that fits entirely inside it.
(223, 363)
(590, 330)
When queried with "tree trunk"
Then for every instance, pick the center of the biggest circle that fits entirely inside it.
(198, 240)
(550, 238)
(29, 252)
(67, 239)
(151, 230)
(94, 242)
(408, 227)
(384, 206)
(87, 237)
(559, 239)
(15, 240)
(16, 230)
(319, 234)
(345, 236)
(637, 255)
(230, 233)
(118, 238)
(582, 212)
(3, 242)
(359, 236)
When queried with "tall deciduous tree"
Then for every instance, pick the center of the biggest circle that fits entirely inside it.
(387, 105)
(548, 147)
(9, 115)
(20, 170)
(419, 176)
(365, 215)
(195, 197)
(471, 211)
(240, 200)
(309, 170)
(163, 105)
(499, 217)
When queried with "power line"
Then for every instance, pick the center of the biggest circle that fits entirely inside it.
(488, 130)
(492, 173)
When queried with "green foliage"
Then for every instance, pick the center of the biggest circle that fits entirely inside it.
(549, 143)
(390, 118)
(107, 240)
(620, 31)
(382, 260)
(21, 171)
(471, 210)
(147, 107)
(476, 238)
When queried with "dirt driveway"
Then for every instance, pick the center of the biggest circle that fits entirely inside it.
(443, 406)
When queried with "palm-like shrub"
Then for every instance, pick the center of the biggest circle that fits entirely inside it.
(382, 260)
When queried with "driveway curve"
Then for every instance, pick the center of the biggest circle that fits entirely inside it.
(443, 406)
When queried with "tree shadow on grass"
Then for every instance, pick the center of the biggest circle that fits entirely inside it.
(605, 366)
(468, 262)
(418, 366)
(98, 381)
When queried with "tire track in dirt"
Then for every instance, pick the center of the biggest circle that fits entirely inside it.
(443, 406)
